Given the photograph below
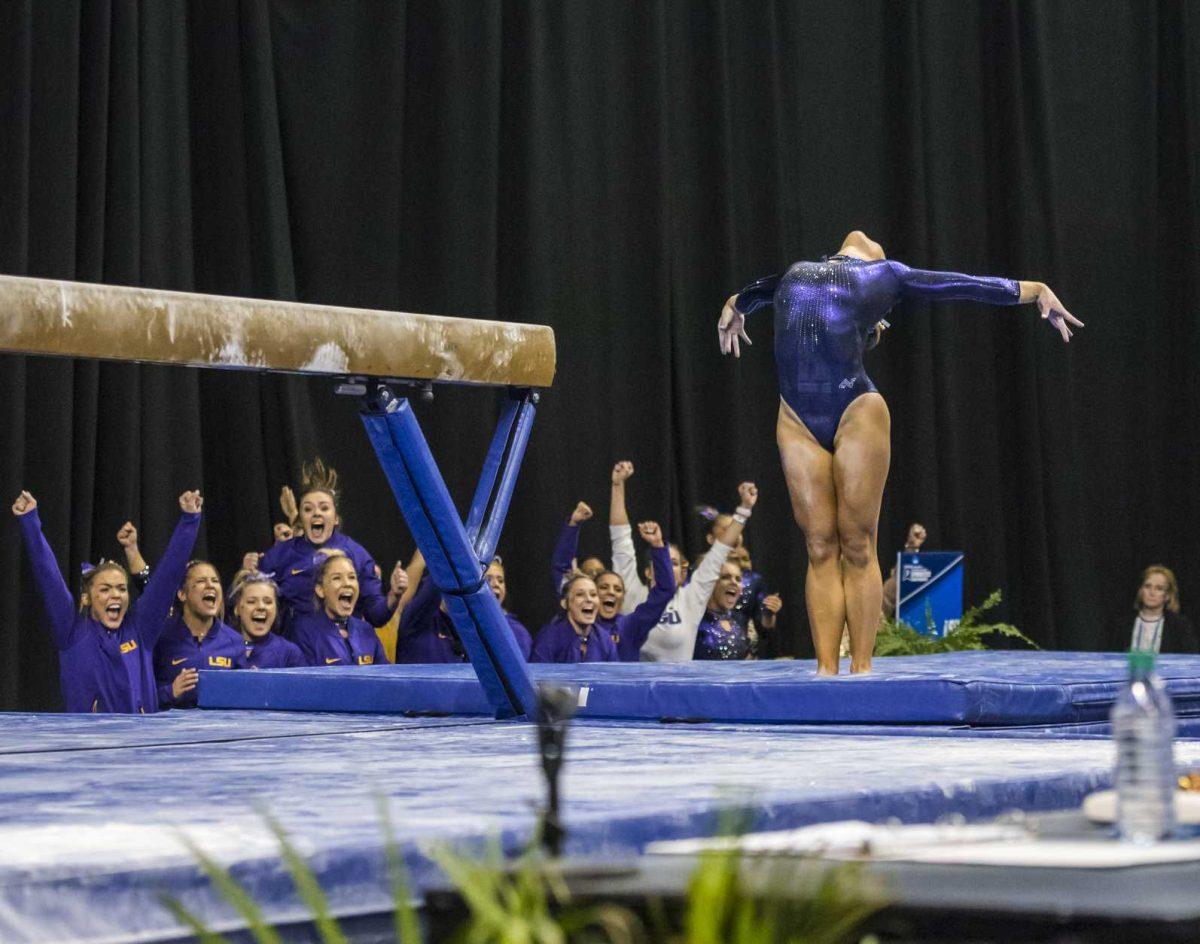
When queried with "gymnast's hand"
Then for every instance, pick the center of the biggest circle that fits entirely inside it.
(398, 583)
(191, 502)
(24, 504)
(748, 494)
(731, 327)
(127, 536)
(621, 471)
(651, 533)
(581, 513)
(1053, 311)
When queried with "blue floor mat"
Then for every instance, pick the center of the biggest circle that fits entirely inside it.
(90, 827)
(975, 689)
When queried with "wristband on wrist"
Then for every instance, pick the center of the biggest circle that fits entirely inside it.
(744, 511)
(739, 517)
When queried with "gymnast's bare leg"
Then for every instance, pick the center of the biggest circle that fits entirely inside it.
(862, 452)
(836, 500)
(808, 469)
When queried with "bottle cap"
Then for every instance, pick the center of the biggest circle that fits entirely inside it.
(1141, 660)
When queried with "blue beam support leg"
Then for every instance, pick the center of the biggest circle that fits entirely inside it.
(450, 555)
(520, 425)
(491, 468)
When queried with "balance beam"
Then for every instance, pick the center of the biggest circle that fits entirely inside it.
(152, 326)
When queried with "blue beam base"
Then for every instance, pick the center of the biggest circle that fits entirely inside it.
(450, 554)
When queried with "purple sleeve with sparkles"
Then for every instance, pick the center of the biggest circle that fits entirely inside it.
(757, 295)
(954, 286)
(56, 598)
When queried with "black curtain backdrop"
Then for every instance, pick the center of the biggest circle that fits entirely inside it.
(615, 170)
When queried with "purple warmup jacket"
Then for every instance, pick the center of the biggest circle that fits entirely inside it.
(178, 649)
(291, 563)
(564, 554)
(318, 637)
(721, 636)
(272, 652)
(629, 630)
(426, 634)
(108, 670)
(557, 641)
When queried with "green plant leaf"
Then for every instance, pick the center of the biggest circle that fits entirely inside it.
(233, 893)
(896, 638)
(191, 921)
(405, 920)
(306, 885)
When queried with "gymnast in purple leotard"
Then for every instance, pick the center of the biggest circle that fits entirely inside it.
(834, 428)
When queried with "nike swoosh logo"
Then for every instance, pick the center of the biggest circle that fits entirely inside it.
(332, 661)
(177, 661)
(300, 571)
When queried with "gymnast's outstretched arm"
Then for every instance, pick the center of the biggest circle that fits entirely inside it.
(150, 612)
(56, 598)
(620, 532)
(731, 329)
(954, 286)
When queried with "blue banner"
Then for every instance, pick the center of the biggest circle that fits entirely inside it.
(930, 592)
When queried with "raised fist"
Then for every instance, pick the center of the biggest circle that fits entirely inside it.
(191, 502)
(651, 533)
(127, 536)
(24, 504)
(748, 494)
(621, 471)
(581, 513)
(916, 537)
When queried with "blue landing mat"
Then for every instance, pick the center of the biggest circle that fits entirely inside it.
(964, 688)
(90, 838)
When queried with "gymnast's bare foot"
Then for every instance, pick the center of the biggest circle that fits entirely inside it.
(824, 670)
(860, 668)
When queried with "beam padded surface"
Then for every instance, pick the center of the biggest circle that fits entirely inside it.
(109, 322)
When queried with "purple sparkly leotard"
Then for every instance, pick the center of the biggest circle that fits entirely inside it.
(824, 313)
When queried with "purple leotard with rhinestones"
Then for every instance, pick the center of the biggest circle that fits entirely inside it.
(824, 314)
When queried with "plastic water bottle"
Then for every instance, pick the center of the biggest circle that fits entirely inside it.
(1143, 723)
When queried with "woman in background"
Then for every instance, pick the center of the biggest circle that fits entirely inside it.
(254, 610)
(194, 638)
(332, 634)
(1158, 625)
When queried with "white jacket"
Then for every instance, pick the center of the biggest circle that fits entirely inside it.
(674, 638)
